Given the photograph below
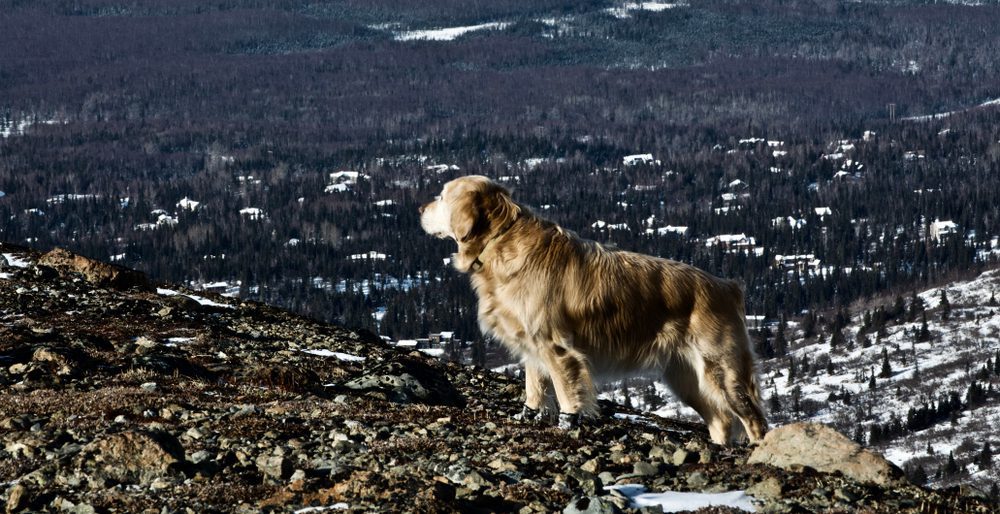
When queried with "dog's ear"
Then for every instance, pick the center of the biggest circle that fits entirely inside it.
(477, 213)
(467, 216)
(499, 208)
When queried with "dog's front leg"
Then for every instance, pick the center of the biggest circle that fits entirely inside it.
(572, 381)
(537, 385)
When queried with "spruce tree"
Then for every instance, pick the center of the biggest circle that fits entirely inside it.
(951, 468)
(774, 403)
(808, 325)
(898, 308)
(780, 344)
(925, 334)
(945, 306)
(840, 320)
(916, 306)
(859, 434)
(985, 458)
(837, 339)
(886, 371)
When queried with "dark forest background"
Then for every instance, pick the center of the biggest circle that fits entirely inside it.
(132, 106)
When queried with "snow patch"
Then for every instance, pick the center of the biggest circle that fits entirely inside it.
(625, 11)
(671, 501)
(16, 261)
(448, 33)
(200, 299)
(339, 355)
(335, 506)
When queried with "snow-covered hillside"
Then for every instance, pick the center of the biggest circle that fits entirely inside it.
(936, 398)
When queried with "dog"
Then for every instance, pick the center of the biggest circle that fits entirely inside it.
(572, 309)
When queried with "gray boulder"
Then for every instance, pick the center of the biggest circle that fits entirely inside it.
(824, 449)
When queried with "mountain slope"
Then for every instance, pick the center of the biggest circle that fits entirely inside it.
(123, 395)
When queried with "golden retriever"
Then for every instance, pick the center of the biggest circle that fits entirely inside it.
(573, 309)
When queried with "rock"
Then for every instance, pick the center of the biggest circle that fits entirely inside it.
(586, 481)
(97, 273)
(768, 489)
(682, 456)
(592, 465)
(697, 480)
(500, 464)
(61, 364)
(461, 474)
(63, 505)
(407, 379)
(274, 466)
(200, 456)
(661, 453)
(285, 376)
(590, 505)
(645, 469)
(824, 449)
(846, 495)
(132, 457)
(17, 497)
(440, 490)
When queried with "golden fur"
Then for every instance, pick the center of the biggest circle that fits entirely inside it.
(573, 309)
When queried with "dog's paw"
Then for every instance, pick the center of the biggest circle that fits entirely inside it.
(529, 415)
(569, 421)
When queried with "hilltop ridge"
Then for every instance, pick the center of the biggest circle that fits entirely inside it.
(126, 395)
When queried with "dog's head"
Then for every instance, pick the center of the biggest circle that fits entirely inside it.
(469, 210)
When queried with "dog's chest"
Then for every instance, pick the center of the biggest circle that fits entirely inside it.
(504, 314)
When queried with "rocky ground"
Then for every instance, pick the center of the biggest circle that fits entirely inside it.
(123, 396)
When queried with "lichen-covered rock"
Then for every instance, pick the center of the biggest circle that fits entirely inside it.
(407, 379)
(824, 449)
(132, 457)
(98, 273)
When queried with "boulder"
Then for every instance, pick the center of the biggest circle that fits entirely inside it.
(132, 457)
(98, 273)
(823, 449)
(409, 379)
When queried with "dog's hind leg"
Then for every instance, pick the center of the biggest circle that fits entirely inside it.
(702, 396)
(744, 398)
(734, 377)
